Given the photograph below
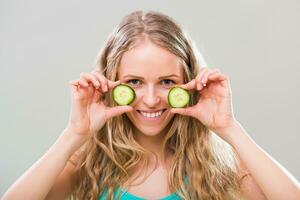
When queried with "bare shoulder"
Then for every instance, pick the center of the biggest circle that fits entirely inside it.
(66, 181)
(250, 188)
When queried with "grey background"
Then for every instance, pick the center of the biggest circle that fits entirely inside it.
(45, 44)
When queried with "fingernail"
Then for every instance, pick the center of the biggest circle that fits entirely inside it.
(203, 82)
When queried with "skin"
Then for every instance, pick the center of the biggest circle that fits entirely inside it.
(267, 179)
(142, 68)
(150, 62)
(213, 109)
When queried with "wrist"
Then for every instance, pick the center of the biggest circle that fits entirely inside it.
(72, 141)
(229, 132)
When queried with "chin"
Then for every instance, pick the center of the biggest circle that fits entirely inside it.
(150, 131)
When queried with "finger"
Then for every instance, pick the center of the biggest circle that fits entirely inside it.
(217, 76)
(193, 83)
(118, 110)
(102, 79)
(77, 83)
(199, 78)
(183, 111)
(190, 85)
(206, 74)
(112, 84)
(90, 78)
(74, 85)
(83, 83)
(96, 97)
(77, 90)
(199, 86)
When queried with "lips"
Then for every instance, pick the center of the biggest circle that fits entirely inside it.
(152, 111)
(155, 114)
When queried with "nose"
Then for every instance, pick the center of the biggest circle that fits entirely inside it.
(150, 98)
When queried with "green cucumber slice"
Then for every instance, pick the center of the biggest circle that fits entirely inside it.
(178, 97)
(123, 94)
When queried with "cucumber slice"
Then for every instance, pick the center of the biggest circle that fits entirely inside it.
(178, 97)
(123, 94)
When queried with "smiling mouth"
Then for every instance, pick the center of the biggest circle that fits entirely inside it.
(152, 115)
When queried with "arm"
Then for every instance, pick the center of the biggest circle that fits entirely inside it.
(38, 180)
(270, 176)
(214, 110)
(249, 187)
(66, 181)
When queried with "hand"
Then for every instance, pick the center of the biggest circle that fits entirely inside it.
(214, 108)
(88, 111)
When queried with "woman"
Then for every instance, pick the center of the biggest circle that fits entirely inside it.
(148, 150)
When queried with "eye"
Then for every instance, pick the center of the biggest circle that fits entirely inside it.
(134, 82)
(168, 82)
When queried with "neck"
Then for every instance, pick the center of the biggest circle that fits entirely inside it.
(152, 143)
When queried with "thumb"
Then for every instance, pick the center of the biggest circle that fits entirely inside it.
(118, 110)
(183, 111)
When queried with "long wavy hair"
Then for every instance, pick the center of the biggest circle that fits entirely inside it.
(110, 156)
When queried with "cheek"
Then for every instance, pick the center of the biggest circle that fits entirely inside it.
(163, 93)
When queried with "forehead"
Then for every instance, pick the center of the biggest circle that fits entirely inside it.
(149, 60)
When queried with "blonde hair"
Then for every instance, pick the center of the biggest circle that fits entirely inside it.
(110, 155)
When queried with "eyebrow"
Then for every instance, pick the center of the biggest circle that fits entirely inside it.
(162, 77)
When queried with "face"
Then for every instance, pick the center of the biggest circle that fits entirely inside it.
(151, 71)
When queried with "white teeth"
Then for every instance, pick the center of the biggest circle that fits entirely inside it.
(151, 115)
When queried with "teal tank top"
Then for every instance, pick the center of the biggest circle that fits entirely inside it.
(128, 196)
(124, 195)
